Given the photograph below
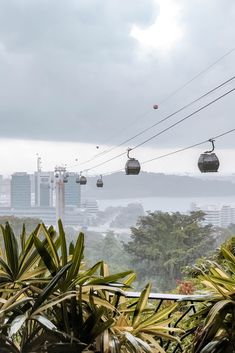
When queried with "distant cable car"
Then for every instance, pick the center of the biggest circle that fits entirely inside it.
(65, 179)
(82, 180)
(155, 106)
(132, 166)
(99, 182)
(208, 162)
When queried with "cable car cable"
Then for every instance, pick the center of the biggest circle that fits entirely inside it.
(187, 148)
(176, 151)
(185, 118)
(199, 74)
(166, 118)
(173, 152)
(166, 129)
(171, 95)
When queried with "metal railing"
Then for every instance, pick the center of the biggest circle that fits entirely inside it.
(187, 308)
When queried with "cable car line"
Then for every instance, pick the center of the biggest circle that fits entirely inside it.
(164, 119)
(166, 129)
(197, 75)
(169, 96)
(185, 118)
(187, 148)
(175, 152)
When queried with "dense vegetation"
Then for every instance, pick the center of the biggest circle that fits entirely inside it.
(160, 246)
(119, 216)
(53, 300)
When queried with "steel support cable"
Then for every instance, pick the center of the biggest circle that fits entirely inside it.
(198, 75)
(166, 129)
(185, 118)
(162, 120)
(187, 148)
(176, 151)
(169, 96)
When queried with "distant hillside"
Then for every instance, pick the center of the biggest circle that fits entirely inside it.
(119, 185)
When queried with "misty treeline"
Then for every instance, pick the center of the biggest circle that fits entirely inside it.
(118, 185)
(159, 247)
(119, 216)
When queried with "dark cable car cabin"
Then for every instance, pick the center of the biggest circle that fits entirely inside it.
(82, 180)
(99, 182)
(132, 166)
(208, 162)
(65, 179)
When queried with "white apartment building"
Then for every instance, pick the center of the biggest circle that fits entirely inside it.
(217, 215)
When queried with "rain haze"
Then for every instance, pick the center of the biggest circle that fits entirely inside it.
(79, 78)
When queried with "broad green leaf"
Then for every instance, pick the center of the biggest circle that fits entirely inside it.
(111, 279)
(227, 254)
(7, 307)
(216, 309)
(45, 322)
(55, 301)
(16, 324)
(141, 305)
(63, 243)
(6, 268)
(130, 279)
(51, 244)
(46, 256)
(153, 342)
(22, 238)
(30, 257)
(114, 344)
(50, 287)
(157, 317)
(11, 249)
(104, 269)
(76, 259)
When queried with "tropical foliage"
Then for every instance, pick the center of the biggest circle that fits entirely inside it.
(162, 244)
(216, 320)
(50, 301)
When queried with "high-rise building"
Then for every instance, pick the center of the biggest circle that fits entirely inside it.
(72, 191)
(20, 190)
(44, 189)
(217, 215)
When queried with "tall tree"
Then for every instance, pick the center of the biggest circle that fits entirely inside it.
(162, 243)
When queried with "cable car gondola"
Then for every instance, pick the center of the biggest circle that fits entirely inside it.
(99, 182)
(208, 162)
(132, 166)
(82, 180)
(65, 179)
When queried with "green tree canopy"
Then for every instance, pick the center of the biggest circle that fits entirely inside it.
(162, 243)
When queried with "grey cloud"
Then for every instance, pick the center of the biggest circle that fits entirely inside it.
(70, 70)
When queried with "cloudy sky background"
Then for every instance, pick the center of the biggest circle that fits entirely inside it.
(77, 74)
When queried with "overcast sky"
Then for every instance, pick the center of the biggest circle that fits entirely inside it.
(77, 74)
